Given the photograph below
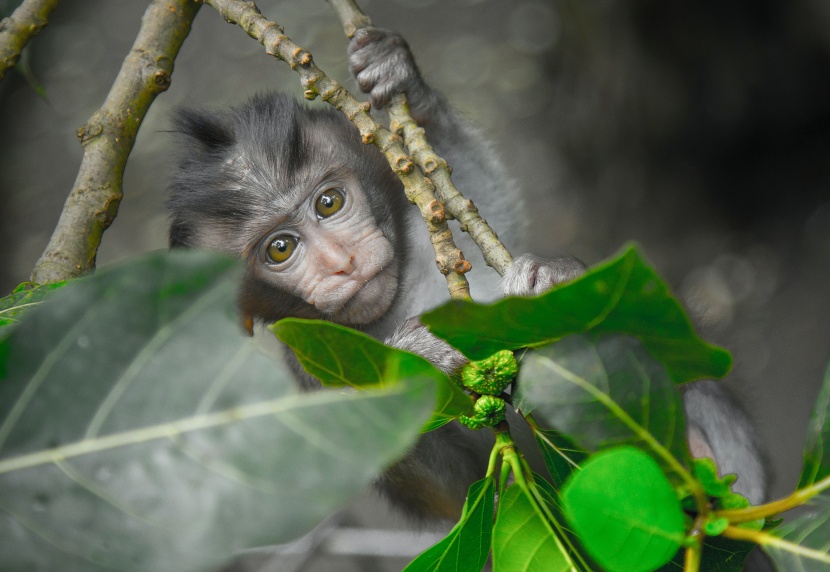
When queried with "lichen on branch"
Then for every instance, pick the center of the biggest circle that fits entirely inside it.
(419, 189)
(15, 31)
(108, 137)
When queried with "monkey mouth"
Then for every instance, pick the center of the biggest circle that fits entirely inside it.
(369, 300)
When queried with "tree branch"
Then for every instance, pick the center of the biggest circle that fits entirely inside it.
(15, 31)
(463, 210)
(419, 190)
(108, 137)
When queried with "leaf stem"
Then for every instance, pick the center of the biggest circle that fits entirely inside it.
(766, 539)
(798, 498)
(494, 455)
(691, 562)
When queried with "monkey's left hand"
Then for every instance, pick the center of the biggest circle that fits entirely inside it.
(384, 66)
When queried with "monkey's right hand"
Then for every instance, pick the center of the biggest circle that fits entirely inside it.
(530, 275)
(384, 66)
(414, 337)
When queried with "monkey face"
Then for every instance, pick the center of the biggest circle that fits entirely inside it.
(330, 253)
(317, 215)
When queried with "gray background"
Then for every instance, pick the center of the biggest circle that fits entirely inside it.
(700, 130)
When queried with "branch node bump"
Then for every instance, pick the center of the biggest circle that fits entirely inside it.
(403, 165)
(273, 47)
(162, 80)
(436, 210)
(88, 131)
(462, 266)
(354, 112)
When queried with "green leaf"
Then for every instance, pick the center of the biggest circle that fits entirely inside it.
(625, 511)
(25, 297)
(604, 393)
(523, 540)
(804, 541)
(339, 356)
(467, 545)
(706, 471)
(140, 429)
(817, 446)
(623, 295)
(562, 456)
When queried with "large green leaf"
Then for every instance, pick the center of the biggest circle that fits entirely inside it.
(467, 546)
(622, 295)
(604, 393)
(625, 511)
(817, 446)
(523, 540)
(339, 356)
(141, 430)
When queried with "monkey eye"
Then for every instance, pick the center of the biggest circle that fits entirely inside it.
(329, 203)
(281, 248)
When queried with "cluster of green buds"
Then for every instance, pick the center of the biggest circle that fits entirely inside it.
(488, 378)
(719, 491)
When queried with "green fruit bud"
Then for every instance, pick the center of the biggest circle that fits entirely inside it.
(470, 422)
(715, 527)
(491, 375)
(488, 412)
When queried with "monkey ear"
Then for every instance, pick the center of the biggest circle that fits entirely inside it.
(207, 128)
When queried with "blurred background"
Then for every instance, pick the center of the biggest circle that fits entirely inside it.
(701, 130)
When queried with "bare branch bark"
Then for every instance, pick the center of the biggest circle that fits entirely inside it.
(108, 137)
(419, 189)
(494, 252)
(460, 208)
(15, 31)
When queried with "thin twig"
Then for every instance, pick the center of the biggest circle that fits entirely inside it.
(108, 137)
(462, 209)
(419, 190)
(15, 31)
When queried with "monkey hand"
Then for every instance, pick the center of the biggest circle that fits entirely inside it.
(383, 66)
(414, 337)
(530, 275)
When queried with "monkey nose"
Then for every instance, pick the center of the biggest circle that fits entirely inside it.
(341, 265)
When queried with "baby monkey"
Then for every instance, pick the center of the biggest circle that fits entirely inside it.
(327, 232)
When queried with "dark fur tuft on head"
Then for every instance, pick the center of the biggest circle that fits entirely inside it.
(204, 128)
